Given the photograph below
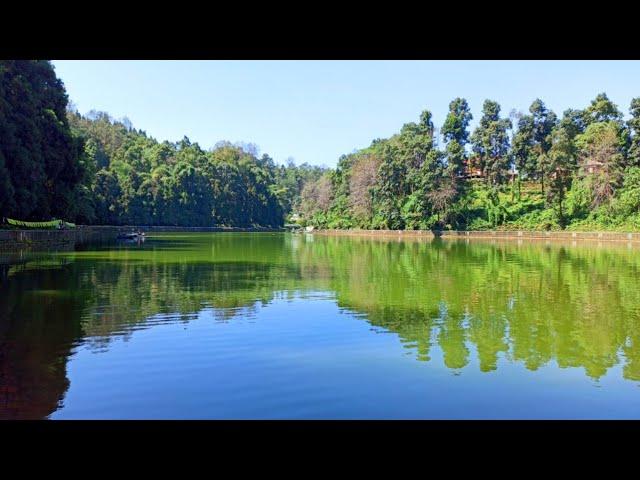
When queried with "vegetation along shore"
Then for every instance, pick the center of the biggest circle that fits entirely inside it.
(534, 170)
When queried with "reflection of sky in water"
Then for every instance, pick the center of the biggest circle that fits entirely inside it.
(278, 326)
(280, 361)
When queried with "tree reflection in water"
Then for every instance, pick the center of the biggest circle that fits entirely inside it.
(577, 306)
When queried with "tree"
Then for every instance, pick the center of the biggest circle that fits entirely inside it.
(628, 201)
(573, 122)
(491, 143)
(457, 121)
(316, 196)
(434, 194)
(524, 156)
(531, 142)
(399, 195)
(600, 151)
(389, 193)
(602, 110)
(544, 120)
(442, 197)
(560, 162)
(634, 127)
(289, 180)
(415, 142)
(107, 193)
(39, 157)
(363, 178)
(456, 135)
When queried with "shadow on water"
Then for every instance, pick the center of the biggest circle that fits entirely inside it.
(575, 306)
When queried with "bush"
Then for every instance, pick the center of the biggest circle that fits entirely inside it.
(479, 224)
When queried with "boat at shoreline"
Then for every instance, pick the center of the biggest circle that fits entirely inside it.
(131, 236)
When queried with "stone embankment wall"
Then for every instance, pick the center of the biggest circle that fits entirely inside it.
(505, 234)
(12, 240)
(146, 228)
(15, 240)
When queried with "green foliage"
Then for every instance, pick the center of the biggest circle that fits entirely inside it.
(94, 169)
(576, 172)
(573, 122)
(457, 122)
(628, 202)
(525, 158)
(602, 147)
(602, 110)
(634, 128)
(578, 201)
(39, 158)
(45, 225)
(560, 161)
(138, 180)
(491, 144)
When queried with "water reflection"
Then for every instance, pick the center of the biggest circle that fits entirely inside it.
(535, 305)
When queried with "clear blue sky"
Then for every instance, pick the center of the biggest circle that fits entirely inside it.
(314, 111)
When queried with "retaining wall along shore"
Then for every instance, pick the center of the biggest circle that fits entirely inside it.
(13, 240)
(505, 234)
(16, 240)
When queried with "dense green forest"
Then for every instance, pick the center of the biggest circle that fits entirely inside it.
(530, 170)
(527, 170)
(134, 179)
(94, 169)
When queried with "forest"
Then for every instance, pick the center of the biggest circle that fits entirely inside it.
(526, 170)
(94, 169)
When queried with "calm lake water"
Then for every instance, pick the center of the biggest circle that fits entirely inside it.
(281, 326)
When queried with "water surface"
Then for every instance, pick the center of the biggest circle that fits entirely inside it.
(235, 326)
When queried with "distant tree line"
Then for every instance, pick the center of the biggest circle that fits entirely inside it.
(135, 179)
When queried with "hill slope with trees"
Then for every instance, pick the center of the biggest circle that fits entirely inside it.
(531, 170)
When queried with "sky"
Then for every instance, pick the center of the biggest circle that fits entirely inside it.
(314, 111)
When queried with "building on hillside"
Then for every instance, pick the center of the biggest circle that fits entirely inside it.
(559, 171)
(592, 166)
(472, 169)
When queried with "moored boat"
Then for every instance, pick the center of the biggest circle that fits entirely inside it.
(131, 236)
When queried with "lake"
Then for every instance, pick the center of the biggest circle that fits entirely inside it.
(286, 326)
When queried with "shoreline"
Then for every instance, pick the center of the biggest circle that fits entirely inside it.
(42, 240)
(15, 240)
(564, 235)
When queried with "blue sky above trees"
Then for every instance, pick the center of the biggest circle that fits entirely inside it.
(315, 111)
